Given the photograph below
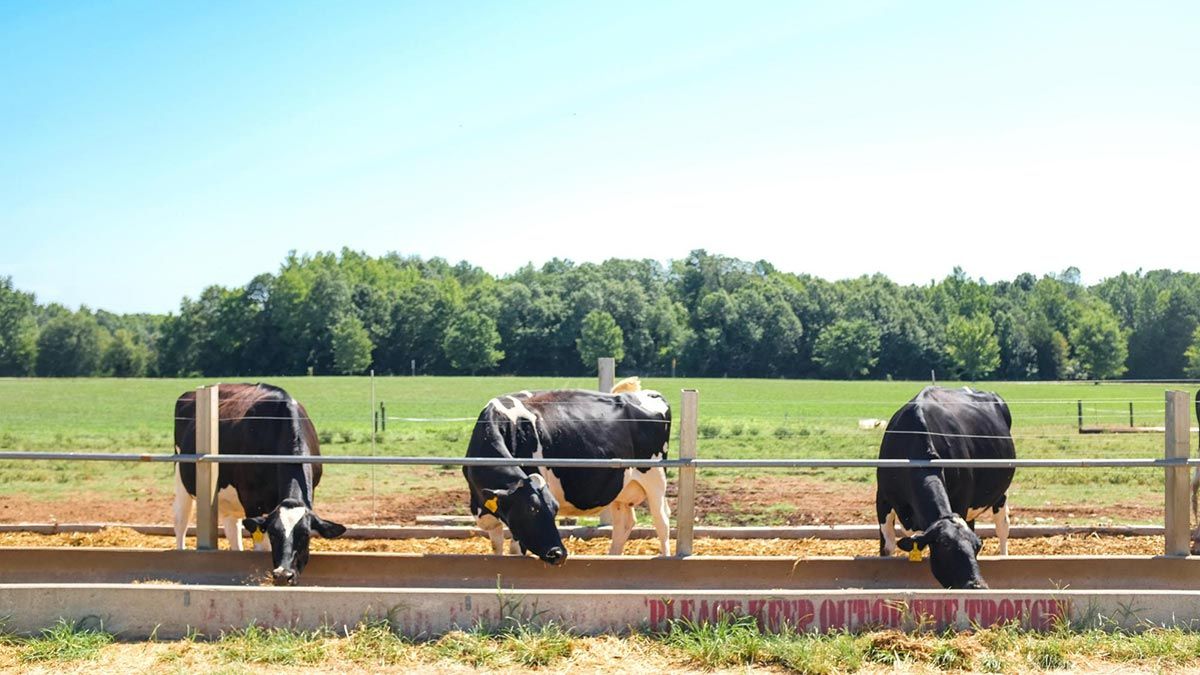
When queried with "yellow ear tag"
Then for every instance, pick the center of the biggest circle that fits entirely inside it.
(257, 536)
(491, 504)
(915, 554)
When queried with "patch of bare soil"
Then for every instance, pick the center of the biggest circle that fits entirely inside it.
(764, 500)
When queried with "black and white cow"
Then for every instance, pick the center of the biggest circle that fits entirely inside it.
(275, 499)
(568, 424)
(938, 507)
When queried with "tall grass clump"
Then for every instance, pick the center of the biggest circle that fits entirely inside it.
(65, 642)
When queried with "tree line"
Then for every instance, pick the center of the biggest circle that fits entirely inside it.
(706, 315)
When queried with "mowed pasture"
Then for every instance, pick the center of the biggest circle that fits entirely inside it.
(738, 419)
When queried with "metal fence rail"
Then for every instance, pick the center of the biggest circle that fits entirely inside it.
(773, 463)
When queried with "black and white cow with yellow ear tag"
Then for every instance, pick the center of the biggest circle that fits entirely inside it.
(936, 507)
(568, 424)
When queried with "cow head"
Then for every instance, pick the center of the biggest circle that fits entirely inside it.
(290, 527)
(953, 549)
(528, 508)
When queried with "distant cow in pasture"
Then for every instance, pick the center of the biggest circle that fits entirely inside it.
(271, 499)
(937, 506)
(568, 424)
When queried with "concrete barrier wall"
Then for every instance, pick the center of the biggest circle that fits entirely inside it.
(95, 565)
(137, 611)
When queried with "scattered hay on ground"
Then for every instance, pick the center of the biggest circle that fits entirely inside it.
(797, 548)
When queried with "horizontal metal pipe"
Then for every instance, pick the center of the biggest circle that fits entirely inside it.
(99, 457)
(779, 463)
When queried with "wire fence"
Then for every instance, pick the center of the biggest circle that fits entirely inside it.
(773, 463)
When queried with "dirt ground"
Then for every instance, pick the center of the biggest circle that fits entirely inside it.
(775, 500)
(1058, 545)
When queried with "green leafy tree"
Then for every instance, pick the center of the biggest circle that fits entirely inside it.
(1100, 346)
(351, 346)
(471, 342)
(972, 346)
(847, 348)
(71, 346)
(1192, 355)
(18, 331)
(125, 357)
(600, 336)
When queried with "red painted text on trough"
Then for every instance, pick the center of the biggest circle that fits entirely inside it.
(854, 613)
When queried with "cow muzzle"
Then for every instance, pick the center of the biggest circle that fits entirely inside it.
(283, 577)
(555, 556)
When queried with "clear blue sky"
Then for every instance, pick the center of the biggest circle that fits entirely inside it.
(148, 149)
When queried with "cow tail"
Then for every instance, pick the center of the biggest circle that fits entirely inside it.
(923, 433)
(496, 435)
(298, 443)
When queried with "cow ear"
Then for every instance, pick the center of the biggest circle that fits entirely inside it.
(492, 498)
(918, 542)
(253, 525)
(326, 528)
(536, 480)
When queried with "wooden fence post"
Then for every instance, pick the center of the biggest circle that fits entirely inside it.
(1178, 446)
(685, 516)
(207, 442)
(606, 367)
(1079, 409)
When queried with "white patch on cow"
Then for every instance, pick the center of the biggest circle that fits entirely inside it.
(565, 508)
(889, 529)
(652, 401)
(289, 516)
(518, 411)
(973, 514)
(228, 503)
(494, 529)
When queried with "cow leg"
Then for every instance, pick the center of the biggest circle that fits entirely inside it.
(494, 529)
(886, 517)
(233, 532)
(229, 508)
(1001, 518)
(654, 482)
(887, 535)
(183, 510)
(514, 546)
(622, 515)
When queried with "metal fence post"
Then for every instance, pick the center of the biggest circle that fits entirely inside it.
(686, 508)
(207, 441)
(1178, 445)
(606, 366)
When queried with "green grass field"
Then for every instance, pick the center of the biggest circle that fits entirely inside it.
(738, 419)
